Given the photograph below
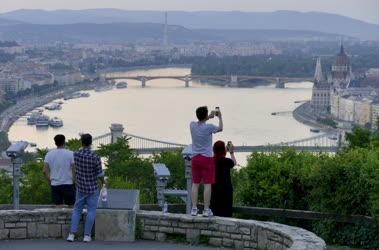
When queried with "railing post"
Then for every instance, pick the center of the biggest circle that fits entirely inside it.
(17, 162)
(117, 131)
(187, 156)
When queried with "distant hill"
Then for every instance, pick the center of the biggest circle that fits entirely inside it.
(89, 32)
(146, 32)
(6, 22)
(279, 20)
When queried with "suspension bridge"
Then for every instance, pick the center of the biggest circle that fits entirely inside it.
(328, 142)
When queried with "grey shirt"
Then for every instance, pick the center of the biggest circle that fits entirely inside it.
(201, 134)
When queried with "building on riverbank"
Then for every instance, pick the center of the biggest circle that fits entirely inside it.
(343, 97)
(321, 91)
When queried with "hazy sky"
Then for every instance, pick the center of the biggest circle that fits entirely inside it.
(367, 10)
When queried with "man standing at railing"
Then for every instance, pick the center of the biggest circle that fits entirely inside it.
(203, 168)
(88, 171)
(58, 169)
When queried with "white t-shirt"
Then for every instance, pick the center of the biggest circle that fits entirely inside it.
(60, 162)
(201, 133)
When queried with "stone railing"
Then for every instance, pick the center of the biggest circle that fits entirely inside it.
(226, 232)
(221, 232)
(35, 224)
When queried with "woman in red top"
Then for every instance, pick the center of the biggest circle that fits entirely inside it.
(222, 190)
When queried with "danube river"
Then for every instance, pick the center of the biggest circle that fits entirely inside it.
(164, 109)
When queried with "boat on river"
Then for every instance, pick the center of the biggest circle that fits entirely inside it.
(42, 121)
(53, 106)
(56, 122)
(315, 130)
(122, 85)
(32, 119)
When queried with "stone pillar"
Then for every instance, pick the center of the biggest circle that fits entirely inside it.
(117, 131)
(234, 80)
(279, 84)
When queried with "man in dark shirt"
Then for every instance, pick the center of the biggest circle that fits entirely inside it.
(87, 172)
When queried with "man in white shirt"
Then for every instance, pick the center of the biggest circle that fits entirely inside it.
(59, 166)
(203, 169)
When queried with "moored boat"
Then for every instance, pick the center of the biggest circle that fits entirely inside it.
(42, 121)
(122, 85)
(56, 122)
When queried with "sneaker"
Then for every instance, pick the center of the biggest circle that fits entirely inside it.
(194, 211)
(207, 212)
(71, 237)
(87, 239)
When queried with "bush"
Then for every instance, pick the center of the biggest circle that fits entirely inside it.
(346, 183)
(5, 188)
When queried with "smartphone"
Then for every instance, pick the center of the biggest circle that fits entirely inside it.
(217, 109)
(228, 146)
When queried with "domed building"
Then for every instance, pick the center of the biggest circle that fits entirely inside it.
(341, 70)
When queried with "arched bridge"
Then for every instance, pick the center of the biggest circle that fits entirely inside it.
(231, 80)
(329, 142)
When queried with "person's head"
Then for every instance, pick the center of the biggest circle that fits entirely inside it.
(202, 113)
(60, 140)
(219, 149)
(86, 140)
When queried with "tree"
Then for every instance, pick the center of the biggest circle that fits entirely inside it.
(359, 138)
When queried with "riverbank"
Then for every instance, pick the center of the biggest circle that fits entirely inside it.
(25, 105)
(303, 114)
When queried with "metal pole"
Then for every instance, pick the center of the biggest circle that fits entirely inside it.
(188, 175)
(187, 155)
(17, 162)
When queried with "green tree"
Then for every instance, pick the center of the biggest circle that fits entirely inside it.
(5, 188)
(359, 137)
(125, 169)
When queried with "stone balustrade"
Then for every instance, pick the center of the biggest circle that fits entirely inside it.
(36, 224)
(226, 232)
(52, 223)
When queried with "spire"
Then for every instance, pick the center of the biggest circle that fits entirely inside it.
(342, 49)
(319, 76)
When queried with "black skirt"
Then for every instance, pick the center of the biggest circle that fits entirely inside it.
(222, 200)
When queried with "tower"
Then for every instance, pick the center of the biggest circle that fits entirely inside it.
(165, 32)
(341, 70)
(321, 91)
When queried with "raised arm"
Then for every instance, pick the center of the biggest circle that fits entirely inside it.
(220, 122)
(231, 151)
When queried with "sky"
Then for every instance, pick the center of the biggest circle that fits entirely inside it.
(366, 10)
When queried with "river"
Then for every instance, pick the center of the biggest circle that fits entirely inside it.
(164, 109)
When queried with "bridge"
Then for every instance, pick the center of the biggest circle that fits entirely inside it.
(328, 142)
(230, 80)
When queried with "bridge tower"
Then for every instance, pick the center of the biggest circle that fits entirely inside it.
(187, 81)
(234, 81)
(143, 82)
(117, 131)
(279, 84)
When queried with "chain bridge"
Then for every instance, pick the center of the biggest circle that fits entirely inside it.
(327, 142)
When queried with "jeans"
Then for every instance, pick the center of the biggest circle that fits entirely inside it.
(84, 199)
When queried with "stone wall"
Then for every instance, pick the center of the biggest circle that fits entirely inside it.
(36, 224)
(221, 232)
(226, 232)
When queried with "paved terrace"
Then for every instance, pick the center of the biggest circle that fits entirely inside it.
(95, 245)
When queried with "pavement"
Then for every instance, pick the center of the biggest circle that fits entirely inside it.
(64, 245)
